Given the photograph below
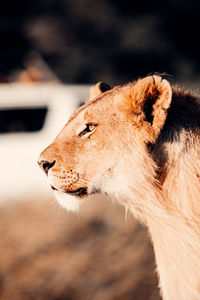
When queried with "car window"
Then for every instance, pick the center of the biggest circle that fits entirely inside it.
(22, 119)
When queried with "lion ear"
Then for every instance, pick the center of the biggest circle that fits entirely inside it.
(151, 98)
(98, 89)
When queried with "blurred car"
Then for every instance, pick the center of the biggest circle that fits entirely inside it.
(30, 117)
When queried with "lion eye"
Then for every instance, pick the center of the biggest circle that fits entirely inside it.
(88, 129)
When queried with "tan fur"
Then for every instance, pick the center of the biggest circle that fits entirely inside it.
(145, 154)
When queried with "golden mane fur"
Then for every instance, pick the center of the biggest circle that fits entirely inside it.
(139, 144)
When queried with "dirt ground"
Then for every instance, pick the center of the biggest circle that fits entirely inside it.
(48, 253)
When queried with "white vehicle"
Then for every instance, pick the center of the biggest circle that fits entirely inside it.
(30, 117)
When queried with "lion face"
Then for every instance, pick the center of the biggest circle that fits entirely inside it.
(104, 139)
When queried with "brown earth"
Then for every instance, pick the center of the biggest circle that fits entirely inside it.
(48, 253)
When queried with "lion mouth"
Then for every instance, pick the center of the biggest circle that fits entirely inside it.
(79, 192)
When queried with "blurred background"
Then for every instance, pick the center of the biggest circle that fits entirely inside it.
(51, 51)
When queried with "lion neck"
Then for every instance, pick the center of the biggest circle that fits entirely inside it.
(171, 212)
(176, 239)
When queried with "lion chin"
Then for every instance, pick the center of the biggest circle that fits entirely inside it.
(69, 202)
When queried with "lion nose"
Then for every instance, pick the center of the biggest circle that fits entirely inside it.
(46, 165)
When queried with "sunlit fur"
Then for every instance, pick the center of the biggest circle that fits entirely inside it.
(145, 154)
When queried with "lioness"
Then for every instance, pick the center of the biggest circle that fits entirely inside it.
(139, 144)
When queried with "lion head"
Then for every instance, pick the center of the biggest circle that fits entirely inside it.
(103, 146)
